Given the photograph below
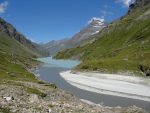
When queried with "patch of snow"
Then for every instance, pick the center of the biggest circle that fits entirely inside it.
(100, 23)
(95, 32)
(96, 26)
(96, 19)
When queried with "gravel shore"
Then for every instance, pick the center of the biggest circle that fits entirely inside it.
(29, 97)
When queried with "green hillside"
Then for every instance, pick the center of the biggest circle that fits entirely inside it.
(16, 54)
(11, 32)
(123, 46)
(14, 58)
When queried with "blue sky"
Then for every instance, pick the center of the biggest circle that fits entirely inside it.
(45, 20)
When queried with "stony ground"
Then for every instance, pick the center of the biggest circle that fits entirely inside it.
(28, 97)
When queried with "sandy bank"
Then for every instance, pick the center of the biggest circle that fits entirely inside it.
(110, 84)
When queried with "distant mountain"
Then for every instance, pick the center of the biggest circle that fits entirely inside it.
(54, 46)
(94, 27)
(12, 33)
(122, 46)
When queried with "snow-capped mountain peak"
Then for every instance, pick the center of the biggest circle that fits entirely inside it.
(99, 20)
(94, 26)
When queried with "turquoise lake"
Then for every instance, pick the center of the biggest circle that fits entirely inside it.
(50, 62)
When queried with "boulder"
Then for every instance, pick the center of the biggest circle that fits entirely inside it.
(33, 98)
(8, 98)
(144, 69)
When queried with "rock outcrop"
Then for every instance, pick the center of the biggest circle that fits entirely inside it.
(145, 70)
(139, 4)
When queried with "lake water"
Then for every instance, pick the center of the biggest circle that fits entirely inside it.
(49, 72)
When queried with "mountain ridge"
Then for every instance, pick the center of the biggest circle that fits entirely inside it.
(12, 32)
(93, 27)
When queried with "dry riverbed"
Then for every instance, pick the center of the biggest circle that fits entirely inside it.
(110, 84)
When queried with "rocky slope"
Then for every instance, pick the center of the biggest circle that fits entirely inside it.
(85, 35)
(123, 46)
(27, 97)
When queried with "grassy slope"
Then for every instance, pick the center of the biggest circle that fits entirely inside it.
(14, 57)
(122, 46)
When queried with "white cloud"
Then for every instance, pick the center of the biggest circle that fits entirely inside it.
(105, 12)
(125, 2)
(3, 7)
(95, 18)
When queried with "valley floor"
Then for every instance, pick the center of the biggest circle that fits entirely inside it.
(110, 84)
